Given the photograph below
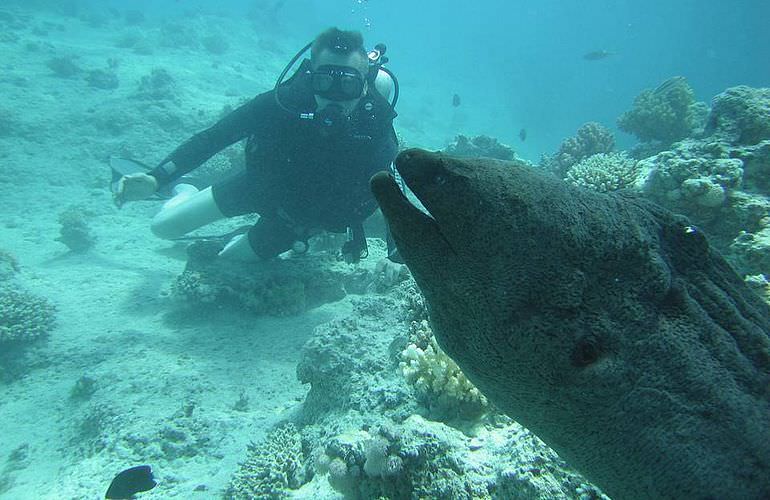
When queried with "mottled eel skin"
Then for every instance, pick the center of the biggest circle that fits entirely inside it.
(603, 323)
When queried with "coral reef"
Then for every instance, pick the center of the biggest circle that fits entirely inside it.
(179, 35)
(756, 161)
(750, 252)
(272, 467)
(277, 288)
(480, 145)
(591, 138)
(9, 265)
(438, 382)
(363, 435)
(24, 317)
(333, 359)
(63, 67)
(418, 458)
(104, 79)
(604, 172)
(84, 388)
(692, 176)
(75, 231)
(741, 115)
(159, 85)
(721, 181)
(666, 114)
(135, 40)
(760, 284)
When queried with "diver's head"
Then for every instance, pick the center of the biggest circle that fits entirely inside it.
(339, 66)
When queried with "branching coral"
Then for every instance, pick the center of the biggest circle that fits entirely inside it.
(272, 467)
(591, 138)
(604, 172)
(667, 114)
(438, 381)
(24, 317)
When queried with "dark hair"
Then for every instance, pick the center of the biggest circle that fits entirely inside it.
(339, 42)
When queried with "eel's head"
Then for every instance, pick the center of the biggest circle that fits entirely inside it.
(601, 322)
(486, 224)
(515, 267)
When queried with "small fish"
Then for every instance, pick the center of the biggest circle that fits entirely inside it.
(665, 87)
(131, 481)
(523, 134)
(597, 55)
(455, 100)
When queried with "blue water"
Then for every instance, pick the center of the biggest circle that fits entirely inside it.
(519, 64)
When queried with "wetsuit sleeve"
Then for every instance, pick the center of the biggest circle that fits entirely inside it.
(237, 125)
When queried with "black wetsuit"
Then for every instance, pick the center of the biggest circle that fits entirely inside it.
(297, 179)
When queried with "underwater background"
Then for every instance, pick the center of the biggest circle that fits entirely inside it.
(314, 378)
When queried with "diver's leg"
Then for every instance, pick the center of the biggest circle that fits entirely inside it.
(268, 238)
(186, 211)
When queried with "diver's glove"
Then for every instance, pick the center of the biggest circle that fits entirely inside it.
(134, 187)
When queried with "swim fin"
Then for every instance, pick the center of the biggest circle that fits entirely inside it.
(216, 237)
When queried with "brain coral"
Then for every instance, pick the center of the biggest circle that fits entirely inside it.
(741, 115)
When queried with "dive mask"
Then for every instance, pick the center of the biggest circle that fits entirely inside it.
(337, 83)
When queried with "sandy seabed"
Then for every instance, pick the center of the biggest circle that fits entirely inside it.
(163, 382)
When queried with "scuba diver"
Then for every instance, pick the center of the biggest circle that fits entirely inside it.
(313, 142)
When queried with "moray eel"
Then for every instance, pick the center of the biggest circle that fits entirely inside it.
(605, 324)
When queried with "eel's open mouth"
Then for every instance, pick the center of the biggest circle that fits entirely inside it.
(397, 208)
(416, 232)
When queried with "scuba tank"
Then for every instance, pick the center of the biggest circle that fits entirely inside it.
(333, 121)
